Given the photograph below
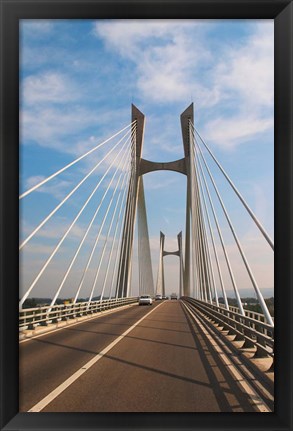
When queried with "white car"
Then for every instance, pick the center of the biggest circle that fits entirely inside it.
(158, 297)
(145, 300)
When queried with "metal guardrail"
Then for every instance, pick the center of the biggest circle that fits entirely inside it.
(29, 318)
(250, 313)
(254, 332)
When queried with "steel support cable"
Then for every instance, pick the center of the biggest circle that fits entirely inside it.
(181, 266)
(159, 288)
(207, 258)
(195, 230)
(132, 224)
(107, 236)
(196, 254)
(141, 255)
(196, 268)
(119, 245)
(163, 271)
(41, 183)
(210, 272)
(126, 218)
(105, 244)
(222, 243)
(214, 246)
(65, 235)
(71, 193)
(139, 249)
(120, 240)
(117, 254)
(86, 233)
(195, 280)
(162, 275)
(253, 216)
(142, 262)
(115, 233)
(123, 240)
(140, 275)
(200, 229)
(100, 229)
(131, 220)
(253, 281)
(116, 229)
(215, 252)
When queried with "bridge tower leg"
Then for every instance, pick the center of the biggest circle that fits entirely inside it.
(124, 268)
(186, 117)
(160, 289)
(181, 265)
(195, 252)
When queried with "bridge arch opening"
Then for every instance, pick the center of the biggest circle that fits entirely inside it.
(167, 215)
(172, 273)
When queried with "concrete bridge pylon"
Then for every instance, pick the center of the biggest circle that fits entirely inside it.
(135, 205)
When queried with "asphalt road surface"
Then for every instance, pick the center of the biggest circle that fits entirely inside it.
(165, 363)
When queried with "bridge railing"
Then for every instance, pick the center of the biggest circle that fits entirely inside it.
(29, 318)
(249, 313)
(254, 332)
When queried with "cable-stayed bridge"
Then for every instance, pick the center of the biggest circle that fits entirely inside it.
(100, 351)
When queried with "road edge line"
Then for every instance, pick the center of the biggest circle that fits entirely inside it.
(69, 325)
(247, 388)
(61, 388)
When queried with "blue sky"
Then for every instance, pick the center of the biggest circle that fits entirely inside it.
(78, 79)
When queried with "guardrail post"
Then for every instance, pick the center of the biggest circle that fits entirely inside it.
(55, 314)
(63, 310)
(31, 324)
(45, 317)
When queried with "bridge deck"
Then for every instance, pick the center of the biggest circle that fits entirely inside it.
(164, 364)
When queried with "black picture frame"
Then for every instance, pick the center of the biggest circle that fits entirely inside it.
(11, 12)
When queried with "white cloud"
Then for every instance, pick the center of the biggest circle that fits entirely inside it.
(229, 132)
(173, 62)
(161, 51)
(55, 127)
(56, 189)
(246, 79)
(249, 70)
(37, 27)
(54, 231)
(49, 87)
(126, 36)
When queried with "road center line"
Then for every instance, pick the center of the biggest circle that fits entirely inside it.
(56, 392)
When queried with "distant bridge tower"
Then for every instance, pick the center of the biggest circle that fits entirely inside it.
(161, 277)
(135, 200)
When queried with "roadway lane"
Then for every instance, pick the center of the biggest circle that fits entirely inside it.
(165, 364)
(45, 362)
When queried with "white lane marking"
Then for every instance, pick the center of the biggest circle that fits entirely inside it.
(103, 313)
(258, 402)
(52, 395)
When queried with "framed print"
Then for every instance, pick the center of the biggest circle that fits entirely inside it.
(146, 159)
